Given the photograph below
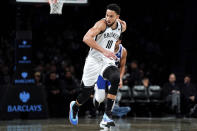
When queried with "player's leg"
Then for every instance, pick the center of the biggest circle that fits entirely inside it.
(100, 91)
(112, 74)
(81, 99)
(91, 107)
(100, 87)
(90, 75)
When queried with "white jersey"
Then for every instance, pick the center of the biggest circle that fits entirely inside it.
(106, 40)
(96, 62)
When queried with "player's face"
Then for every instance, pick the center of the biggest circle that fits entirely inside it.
(111, 17)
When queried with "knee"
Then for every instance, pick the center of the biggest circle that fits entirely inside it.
(114, 78)
(112, 74)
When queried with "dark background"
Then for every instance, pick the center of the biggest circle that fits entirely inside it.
(160, 34)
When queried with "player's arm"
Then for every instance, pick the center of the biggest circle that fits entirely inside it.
(122, 65)
(89, 38)
(124, 25)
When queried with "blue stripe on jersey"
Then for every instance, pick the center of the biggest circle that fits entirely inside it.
(119, 53)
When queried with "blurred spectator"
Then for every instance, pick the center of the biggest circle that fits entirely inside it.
(70, 88)
(38, 80)
(188, 92)
(135, 76)
(171, 94)
(146, 82)
(70, 85)
(126, 76)
(118, 110)
(55, 99)
(53, 68)
(4, 75)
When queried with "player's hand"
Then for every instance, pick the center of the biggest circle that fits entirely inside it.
(120, 84)
(110, 55)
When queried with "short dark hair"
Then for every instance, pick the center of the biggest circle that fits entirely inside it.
(188, 75)
(134, 61)
(145, 78)
(114, 7)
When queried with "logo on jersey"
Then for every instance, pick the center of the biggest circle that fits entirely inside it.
(111, 34)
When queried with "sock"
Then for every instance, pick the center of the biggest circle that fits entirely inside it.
(92, 108)
(108, 108)
(96, 104)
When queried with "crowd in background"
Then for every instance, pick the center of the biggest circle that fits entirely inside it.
(62, 86)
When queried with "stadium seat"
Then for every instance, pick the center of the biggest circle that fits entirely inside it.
(154, 93)
(140, 94)
(126, 98)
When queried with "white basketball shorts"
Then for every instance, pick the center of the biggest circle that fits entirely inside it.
(93, 68)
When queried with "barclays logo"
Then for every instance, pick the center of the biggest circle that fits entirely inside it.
(36, 127)
(24, 45)
(24, 96)
(24, 57)
(24, 108)
(24, 42)
(24, 60)
(24, 75)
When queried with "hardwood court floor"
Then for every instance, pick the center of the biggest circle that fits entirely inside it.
(86, 124)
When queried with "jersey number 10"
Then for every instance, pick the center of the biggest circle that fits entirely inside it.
(109, 44)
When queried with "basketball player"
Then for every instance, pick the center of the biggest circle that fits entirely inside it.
(99, 95)
(121, 54)
(101, 61)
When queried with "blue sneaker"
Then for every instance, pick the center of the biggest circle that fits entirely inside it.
(106, 122)
(73, 119)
